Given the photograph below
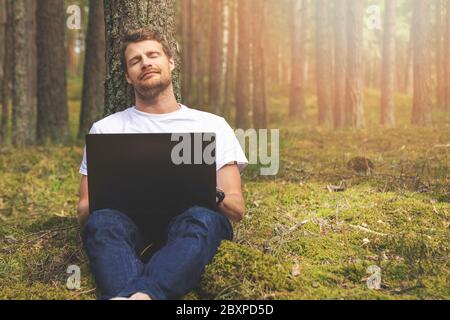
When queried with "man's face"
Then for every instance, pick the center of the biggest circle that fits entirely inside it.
(149, 70)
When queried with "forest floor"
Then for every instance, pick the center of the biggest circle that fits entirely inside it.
(311, 232)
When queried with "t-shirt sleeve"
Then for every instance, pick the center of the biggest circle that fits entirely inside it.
(228, 148)
(83, 167)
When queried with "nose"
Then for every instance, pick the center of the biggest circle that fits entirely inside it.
(146, 62)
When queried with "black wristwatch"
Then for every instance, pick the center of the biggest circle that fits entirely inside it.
(220, 195)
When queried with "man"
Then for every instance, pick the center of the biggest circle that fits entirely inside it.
(110, 237)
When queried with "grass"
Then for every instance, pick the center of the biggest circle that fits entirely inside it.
(300, 239)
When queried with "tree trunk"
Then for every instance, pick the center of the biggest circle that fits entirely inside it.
(297, 85)
(72, 56)
(24, 93)
(92, 105)
(243, 66)
(422, 100)
(354, 115)
(407, 87)
(8, 70)
(4, 66)
(200, 52)
(447, 58)
(53, 117)
(215, 55)
(387, 117)
(121, 16)
(260, 116)
(323, 62)
(340, 53)
(440, 66)
(231, 59)
(3, 21)
(187, 33)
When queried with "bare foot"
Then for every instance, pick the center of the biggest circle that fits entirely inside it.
(140, 296)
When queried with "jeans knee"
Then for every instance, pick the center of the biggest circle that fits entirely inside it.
(210, 221)
(108, 221)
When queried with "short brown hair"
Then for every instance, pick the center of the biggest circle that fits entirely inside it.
(143, 34)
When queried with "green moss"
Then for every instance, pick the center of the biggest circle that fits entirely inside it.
(244, 269)
(395, 218)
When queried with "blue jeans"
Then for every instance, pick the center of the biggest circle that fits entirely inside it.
(113, 242)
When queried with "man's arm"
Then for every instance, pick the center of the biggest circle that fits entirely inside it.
(83, 204)
(229, 181)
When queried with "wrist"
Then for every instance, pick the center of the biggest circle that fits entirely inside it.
(220, 196)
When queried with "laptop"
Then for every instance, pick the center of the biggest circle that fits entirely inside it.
(151, 177)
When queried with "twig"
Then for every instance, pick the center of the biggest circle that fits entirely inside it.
(367, 230)
(83, 292)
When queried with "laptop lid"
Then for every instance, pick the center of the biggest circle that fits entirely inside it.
(151, 177)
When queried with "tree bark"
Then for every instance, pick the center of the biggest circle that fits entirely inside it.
(200, 53)
(387, 117)
(354, 115)
(4, 66)
(187, 33)
(24, 76)
(121, 16)
(440, 65)
(92, 105)
(53, 116)
(72, 56)
(297, 85)
(8, 70)
(3, 21)
(447, 58)
(260, 114)
(230, 74)
(340, 53)
(323, 63)
(215, 57)
(422, 100)
(243, 66)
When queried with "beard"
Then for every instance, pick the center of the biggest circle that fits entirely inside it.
(150, 89)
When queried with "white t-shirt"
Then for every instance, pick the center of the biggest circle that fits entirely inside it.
(183, 120)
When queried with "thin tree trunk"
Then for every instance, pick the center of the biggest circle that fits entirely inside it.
(24, 94)
(339, 63)
(72, 57)
(408, 68)
(215, 54)
(231, 59)
(354, 114)
(3, 21)
(53, 116)
(92, 105)
(243, 66)
(323, 63)
(447, 58)
(297, 85)
(186, 29)
(387, 117)
(199, 52)
(4, 77)
(422, 63)
(8, 70)
(157, 14)
(260, 117)
(440, 66)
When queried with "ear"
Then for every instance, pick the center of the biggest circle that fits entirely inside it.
(127, 77)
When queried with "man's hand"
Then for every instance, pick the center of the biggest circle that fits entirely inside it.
(229, 181)
(83, 204)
